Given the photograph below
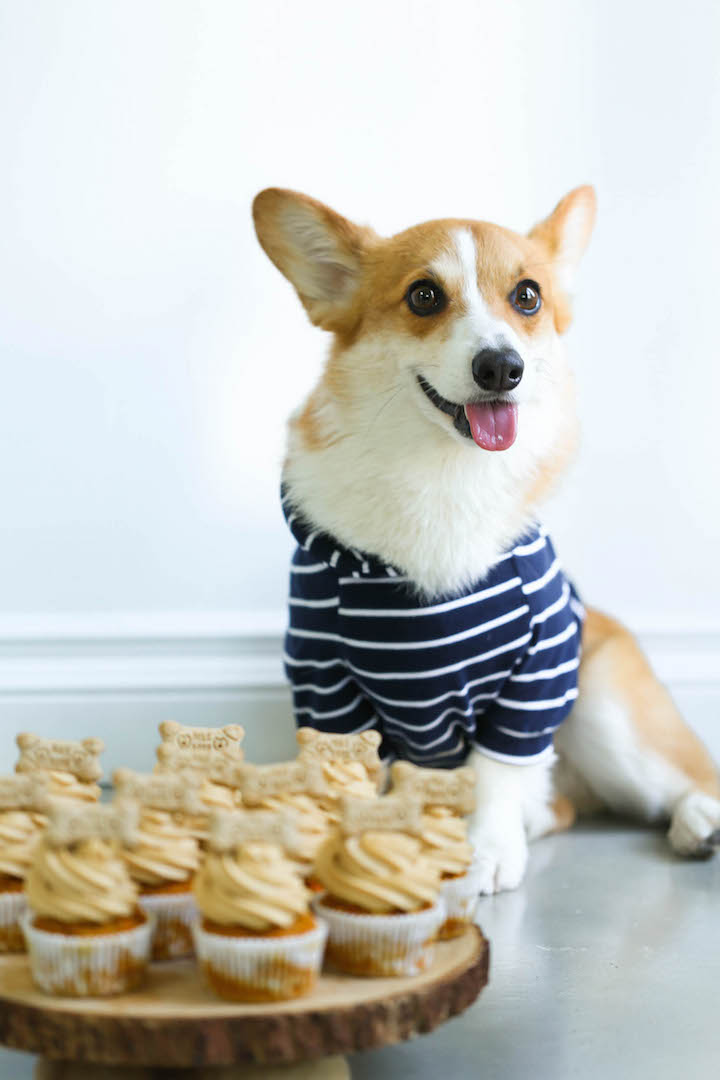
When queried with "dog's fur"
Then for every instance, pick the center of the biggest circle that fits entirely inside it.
(374, 463)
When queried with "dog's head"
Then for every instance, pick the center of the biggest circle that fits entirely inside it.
(462, 318)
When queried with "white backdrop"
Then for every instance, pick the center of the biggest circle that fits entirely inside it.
(151, 353)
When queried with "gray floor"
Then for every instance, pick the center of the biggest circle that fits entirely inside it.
(605, 964)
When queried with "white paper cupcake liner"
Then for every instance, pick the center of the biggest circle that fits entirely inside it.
(78, 966)
(381, 944)
(173, 916)
(260, 969)
(460, 896)
(13, 907)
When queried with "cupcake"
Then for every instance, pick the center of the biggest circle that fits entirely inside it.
(71, 768)
(85, 933)
(382, 904)
(164, 855)
(257, 939)
(294, 788)
(446, 845)
(20, 826)
(446, 795)
(350, 765)
(210, 753)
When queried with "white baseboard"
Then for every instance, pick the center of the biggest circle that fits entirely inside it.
(119, 676)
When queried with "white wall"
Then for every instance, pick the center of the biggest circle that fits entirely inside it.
(150, 353)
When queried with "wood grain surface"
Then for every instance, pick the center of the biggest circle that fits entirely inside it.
(175, 1021)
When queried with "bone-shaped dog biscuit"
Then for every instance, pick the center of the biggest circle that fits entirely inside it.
(28, 791)
(82, 759)
(214, 752)
(341, 748)
(390, 813)
(259, 782)
(70, 823)
(231, 829)
(454, 788)
(160, 791)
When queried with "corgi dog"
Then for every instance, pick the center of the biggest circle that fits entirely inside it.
(428, 603)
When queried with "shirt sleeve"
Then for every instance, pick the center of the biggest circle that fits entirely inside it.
(518, 727)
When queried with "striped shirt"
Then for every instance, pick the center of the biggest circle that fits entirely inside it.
(492, 668)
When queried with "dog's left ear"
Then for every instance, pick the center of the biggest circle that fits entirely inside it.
(318, 251)
(566, 232)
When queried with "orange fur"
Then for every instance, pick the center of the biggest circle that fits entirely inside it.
(654, 715)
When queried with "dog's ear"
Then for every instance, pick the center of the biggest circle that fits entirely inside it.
(566, 232)
(318, 251)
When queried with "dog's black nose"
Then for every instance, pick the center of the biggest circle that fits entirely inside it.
(497, 369)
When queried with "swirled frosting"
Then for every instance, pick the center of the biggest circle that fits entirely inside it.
(380, 872)
(164, 852)
(86, 882)
(445, 842)
(312, 823)
(19, 832)
(345, 778)
(214, 797)
(65, 785)
(256, 887)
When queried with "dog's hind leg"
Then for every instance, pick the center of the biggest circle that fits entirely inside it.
(626, 747)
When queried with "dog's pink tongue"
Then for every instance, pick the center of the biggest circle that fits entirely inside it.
(493, 424)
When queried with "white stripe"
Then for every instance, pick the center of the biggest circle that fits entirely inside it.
(435, 643)
(310, 537)
(444, 753)
(547, 673)
(318, 635)
(516, 644)
(532, 547)
(332, 601)
(578, 607)
(448, 605)
(431, 745)
(389, 570)
(334, 558)
(537, 706)
(443, 716)
(322, 689)
(308, 569)
(528, 734)
(363, 727)
(539, 583)
(559, 604)
(371, 580)
(558, 639)
(366, 568)
(291, 519)
(292, 662)
(517, 759)
(356, 553)
(442, 697)
(328, 715)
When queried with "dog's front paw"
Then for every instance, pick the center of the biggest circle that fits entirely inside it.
(501, 858)
(695, 826)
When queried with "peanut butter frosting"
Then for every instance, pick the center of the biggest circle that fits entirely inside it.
(19, 833)
(84, 882)
(345, 778)
(255, 887)
(380, 872)
(214, 797)
(312, 824)
(164, 851)
(445, 841)
(65, 785)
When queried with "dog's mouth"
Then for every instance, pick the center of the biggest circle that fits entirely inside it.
(492, 424)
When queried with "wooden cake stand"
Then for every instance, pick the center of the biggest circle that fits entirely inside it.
(175, 1023)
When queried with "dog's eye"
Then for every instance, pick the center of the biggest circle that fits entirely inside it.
(425, 298)
(525, 297)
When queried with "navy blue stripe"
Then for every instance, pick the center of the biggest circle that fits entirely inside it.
(494, 667)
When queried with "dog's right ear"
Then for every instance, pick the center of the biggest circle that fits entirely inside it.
(318, 251)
